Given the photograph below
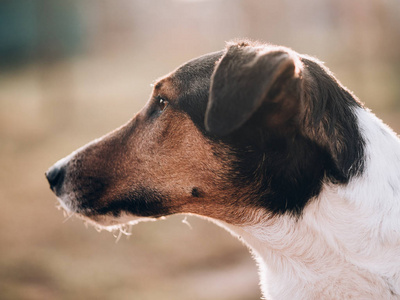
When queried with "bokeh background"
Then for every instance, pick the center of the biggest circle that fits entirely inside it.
(71, 71)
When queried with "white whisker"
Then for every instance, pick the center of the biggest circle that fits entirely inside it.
(119, 236)
(98, 228)
(68, 216)
(185, 221)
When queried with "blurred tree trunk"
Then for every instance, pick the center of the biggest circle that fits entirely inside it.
(59, 37)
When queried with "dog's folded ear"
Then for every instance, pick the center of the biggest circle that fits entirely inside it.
(243, 80)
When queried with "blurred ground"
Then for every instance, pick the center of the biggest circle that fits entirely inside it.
(53, 102)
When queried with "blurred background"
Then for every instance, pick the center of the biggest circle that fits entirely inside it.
(72, 70)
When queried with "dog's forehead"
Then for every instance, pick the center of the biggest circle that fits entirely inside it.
(196, 70)
(189, 78)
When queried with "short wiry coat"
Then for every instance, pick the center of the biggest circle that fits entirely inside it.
(271, 146)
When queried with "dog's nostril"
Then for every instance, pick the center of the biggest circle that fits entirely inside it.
(55, 176)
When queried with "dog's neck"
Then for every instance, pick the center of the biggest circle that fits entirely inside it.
(346, 244)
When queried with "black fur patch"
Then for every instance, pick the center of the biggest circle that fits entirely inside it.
(330, 121)
(285, 171)
(193, 79)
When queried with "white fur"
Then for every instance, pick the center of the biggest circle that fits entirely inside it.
(346, 245)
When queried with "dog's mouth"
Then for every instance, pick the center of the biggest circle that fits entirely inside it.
(117, 225)
(102, 224)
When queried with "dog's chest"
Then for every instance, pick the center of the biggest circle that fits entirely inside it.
(324, 255)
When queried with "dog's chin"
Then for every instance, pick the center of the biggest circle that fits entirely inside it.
(110, 221)
(107, 222)
(66, 204)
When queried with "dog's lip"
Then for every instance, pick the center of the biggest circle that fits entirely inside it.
(104, 221)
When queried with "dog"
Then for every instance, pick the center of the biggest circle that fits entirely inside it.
(268, 144)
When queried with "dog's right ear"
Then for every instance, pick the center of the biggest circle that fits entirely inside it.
(243, 79)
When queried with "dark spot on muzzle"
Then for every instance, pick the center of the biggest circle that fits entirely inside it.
(196, 192)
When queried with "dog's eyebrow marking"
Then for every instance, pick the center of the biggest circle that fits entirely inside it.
(158, 85)
(166, 88)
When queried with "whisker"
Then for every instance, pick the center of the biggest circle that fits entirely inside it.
(69, 216)
(185, 221)
(98, 228)
(119, 236)
(124, 229)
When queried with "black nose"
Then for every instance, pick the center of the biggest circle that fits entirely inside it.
(55, 176)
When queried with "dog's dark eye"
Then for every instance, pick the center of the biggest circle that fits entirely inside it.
(162, 104)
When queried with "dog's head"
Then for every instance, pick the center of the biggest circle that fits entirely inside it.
(253, 128)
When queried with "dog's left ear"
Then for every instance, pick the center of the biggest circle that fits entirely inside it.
(244, 79)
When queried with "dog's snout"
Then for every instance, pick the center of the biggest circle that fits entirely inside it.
(55, 176)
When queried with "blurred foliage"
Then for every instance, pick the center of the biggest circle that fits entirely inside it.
(71, 71)
(41, 29)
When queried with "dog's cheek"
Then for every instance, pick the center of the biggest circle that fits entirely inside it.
(176, 157)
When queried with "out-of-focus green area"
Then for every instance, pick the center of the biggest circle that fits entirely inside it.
(71, 71)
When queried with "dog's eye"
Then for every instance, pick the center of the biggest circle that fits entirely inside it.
(162, 104)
